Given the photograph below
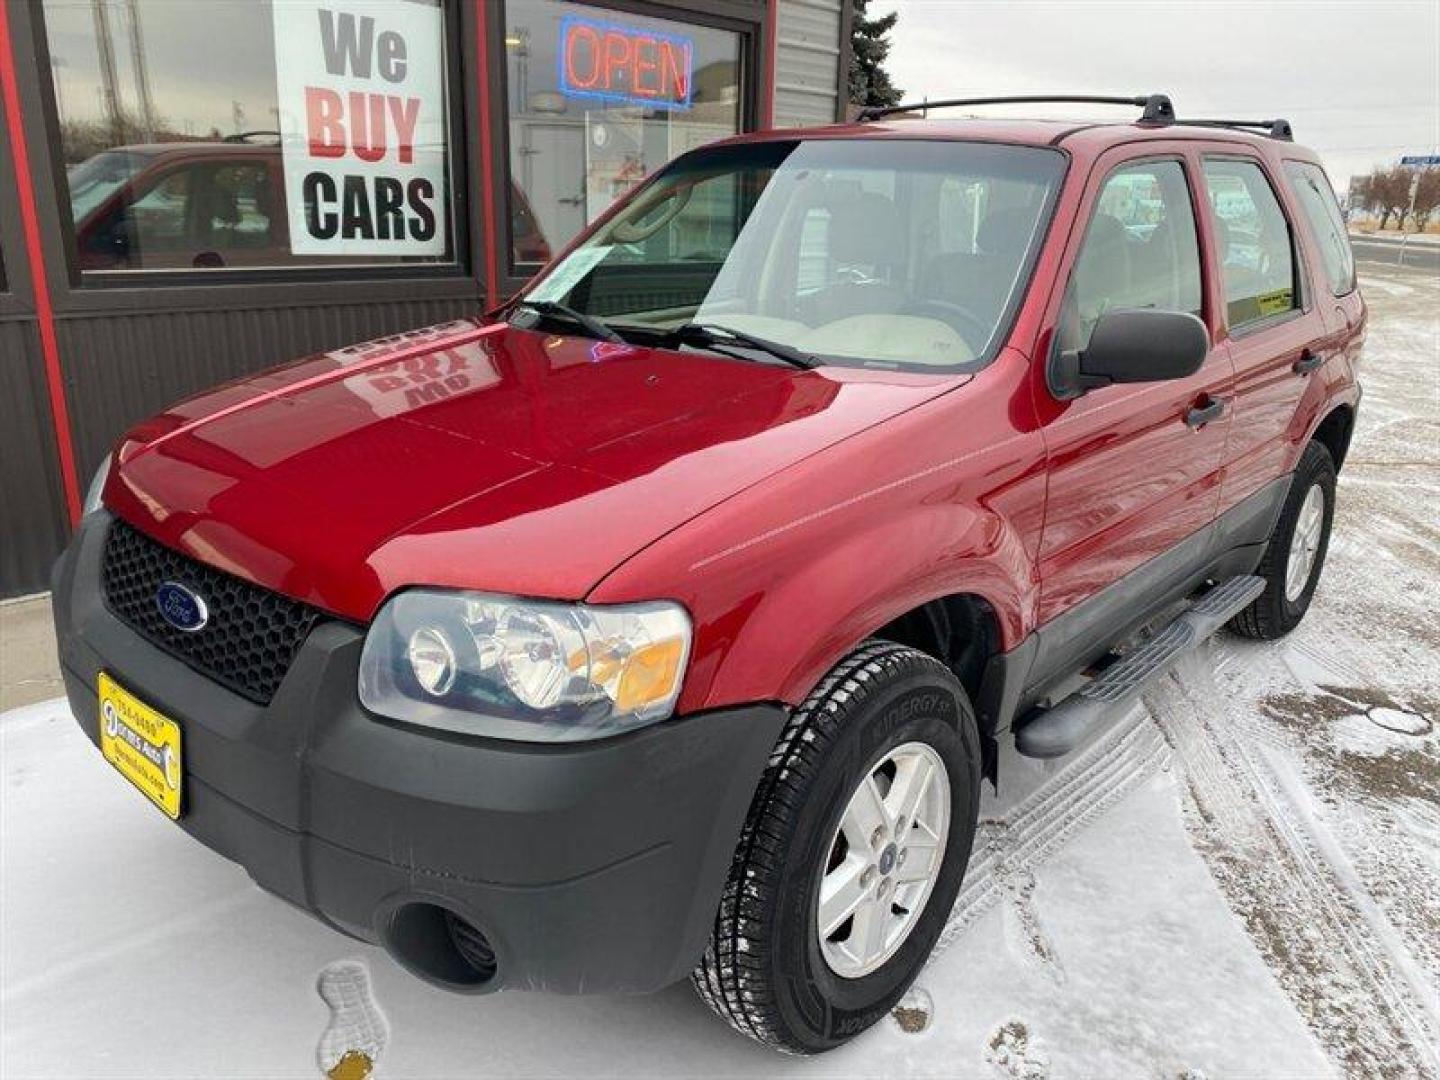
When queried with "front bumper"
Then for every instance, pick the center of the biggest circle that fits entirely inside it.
(589, 867)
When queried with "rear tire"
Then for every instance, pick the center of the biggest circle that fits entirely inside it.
(767, 970)
(1295, 553)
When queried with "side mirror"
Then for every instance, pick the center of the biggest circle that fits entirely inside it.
(1130, 345)
(115, 239)
(122, 233)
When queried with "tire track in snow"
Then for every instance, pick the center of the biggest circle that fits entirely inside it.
(1009, 847)
(1310, 920)
(1328, 656)
(1327, 861)
(1320, 939)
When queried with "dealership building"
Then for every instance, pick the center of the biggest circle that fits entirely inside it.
(193, 191)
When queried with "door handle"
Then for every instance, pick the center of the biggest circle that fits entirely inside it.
(1200, 415)
(1307, 363)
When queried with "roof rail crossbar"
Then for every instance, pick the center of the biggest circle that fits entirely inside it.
(1276, 129)
(250, 136)
(1157, 107)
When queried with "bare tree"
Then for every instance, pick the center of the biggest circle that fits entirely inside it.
(82, 139)
(1427, 198)
(1388, 193)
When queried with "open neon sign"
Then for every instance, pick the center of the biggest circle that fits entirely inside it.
(625, 64)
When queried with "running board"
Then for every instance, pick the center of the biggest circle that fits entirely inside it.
(1054, 731)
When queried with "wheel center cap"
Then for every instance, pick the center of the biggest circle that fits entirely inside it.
(887, 859)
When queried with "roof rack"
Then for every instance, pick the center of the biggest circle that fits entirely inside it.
(1157, 110)
(1157, 107)
(250, 136)
(1275, 129)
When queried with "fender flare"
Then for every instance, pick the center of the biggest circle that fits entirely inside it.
(857, 597)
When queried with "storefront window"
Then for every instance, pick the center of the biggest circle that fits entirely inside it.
(250, 134)
(599, 99)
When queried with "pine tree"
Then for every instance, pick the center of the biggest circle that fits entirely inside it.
(869, 81)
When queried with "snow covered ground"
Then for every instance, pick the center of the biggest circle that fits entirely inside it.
(1239, 878)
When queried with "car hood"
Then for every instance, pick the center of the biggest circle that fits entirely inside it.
(474, 456)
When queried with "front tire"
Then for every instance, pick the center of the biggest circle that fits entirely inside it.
(892, 728)
(1295, 553)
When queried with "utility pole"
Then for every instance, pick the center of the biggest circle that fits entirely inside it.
(58, 66)
(1404, 236)
(142, 76)
(109, 87)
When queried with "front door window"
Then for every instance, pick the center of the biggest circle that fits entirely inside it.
(1140, 250)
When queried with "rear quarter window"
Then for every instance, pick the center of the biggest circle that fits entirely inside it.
(1257, 252)
(1322, 212)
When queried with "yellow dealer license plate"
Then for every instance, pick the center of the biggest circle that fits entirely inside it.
(142, 744)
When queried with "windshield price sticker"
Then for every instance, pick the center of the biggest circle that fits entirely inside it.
(362, 125)
(571, 272)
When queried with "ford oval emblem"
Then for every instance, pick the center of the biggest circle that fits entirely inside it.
(182, 608)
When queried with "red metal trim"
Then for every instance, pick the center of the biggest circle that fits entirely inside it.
(487, 156)
(44, 313)
(772, 23)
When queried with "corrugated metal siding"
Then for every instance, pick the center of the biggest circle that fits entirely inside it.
(121, 368)
(33, 524)
(807, 62)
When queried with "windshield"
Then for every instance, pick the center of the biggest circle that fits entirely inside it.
(890, 254)
(95, 179)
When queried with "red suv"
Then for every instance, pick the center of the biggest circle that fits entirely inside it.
(666, 622)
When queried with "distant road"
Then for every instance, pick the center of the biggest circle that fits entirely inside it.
(1386, 250)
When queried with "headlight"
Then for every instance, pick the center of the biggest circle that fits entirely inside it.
(96, 488)
(534, 670)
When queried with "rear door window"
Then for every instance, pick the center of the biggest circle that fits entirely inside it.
(1322, 211)
(1139, 251)
(1254, 242)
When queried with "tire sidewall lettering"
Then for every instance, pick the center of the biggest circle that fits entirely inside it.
(916, 709)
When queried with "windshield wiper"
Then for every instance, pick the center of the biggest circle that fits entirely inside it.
(712, 334)
(554, 309)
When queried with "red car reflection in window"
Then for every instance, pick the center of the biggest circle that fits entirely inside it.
(205, 205)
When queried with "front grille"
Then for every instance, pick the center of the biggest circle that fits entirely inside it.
(251, 636)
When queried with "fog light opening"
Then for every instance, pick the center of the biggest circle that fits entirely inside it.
(441, 946)
(474, 946)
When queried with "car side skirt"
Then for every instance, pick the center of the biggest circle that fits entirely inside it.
(1232, 544)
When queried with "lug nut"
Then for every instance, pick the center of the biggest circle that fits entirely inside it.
(878, 836)
(900, 827)
(900, 859)
(867, 878)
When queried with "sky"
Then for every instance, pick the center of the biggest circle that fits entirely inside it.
(1360, 81)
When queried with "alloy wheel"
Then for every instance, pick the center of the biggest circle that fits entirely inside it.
(883, 860)
(1305, 543)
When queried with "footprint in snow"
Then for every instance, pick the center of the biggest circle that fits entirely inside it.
(915, 1011)
(1025, 929)
(357, 1033)
(1016, 1053)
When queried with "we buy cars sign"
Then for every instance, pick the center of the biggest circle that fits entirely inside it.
(362, 125)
